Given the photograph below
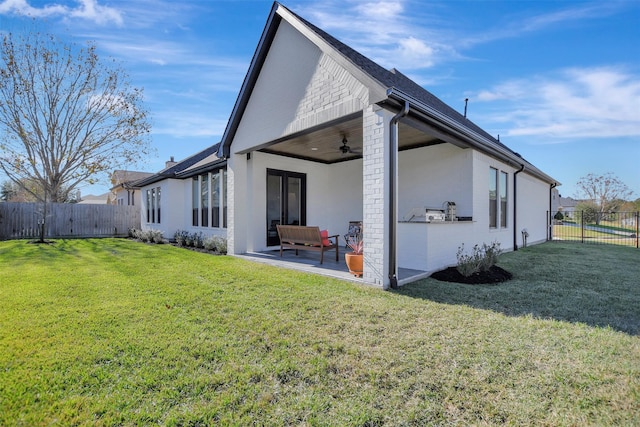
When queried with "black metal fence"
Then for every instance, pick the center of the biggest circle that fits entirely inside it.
(617, 228)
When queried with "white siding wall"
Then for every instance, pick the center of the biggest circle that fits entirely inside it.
(430, 176)
(532, 206)
(484, 234)
(176, 205)
(334, 194)
(172, 201)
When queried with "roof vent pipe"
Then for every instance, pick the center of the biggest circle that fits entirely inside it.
(466, 101)
(393, 196)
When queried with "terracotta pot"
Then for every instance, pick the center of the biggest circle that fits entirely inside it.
(354, 263)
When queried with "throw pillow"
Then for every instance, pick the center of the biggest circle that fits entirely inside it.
(325, 238)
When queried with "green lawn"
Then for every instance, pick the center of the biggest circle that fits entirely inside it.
(571, 233)
(114, 332)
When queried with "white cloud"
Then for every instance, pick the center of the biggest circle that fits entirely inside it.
(381, 30)
(415, 53)
(185, 124)
(574, 103)
(21, 7)
(88, 10)
(92, 11)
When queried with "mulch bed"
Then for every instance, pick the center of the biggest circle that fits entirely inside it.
(494, 275)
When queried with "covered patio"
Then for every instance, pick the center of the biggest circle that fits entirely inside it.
(309, 262)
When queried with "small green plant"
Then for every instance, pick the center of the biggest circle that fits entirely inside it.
(355, 243)
(197, 240)
(147, 236)
(481, 258)
(156, 237)
(180, 236)
(221, 245)
(558, 216)
(491, 254)
(215, 244)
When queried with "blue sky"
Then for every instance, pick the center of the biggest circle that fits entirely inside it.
(559, 81)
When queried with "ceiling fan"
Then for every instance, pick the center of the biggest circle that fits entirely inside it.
(345, 149)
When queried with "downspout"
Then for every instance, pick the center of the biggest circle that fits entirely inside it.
(515, 205)
(393, 189)
(550, 225)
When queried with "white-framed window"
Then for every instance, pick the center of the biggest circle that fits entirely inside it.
(498, 198)
(209, 199)
(153, 205)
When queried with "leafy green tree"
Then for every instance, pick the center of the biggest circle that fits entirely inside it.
(7, 191)
(589, 212)
(65, 116)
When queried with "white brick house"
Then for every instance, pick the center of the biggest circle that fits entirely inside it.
(321, 135)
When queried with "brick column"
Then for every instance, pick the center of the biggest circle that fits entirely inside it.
(375, 187)
(236, 201)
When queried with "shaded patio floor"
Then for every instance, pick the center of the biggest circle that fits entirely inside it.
(310, 262)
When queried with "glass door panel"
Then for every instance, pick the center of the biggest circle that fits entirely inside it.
(274, 208)
(286, 201)
(294, 208)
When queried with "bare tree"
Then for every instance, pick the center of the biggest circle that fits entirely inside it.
(606, 192)
(65, 116)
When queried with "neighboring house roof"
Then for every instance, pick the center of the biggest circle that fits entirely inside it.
(91, 199)
(567, 202)
(198, 163)
(395, 87)
(126, 179)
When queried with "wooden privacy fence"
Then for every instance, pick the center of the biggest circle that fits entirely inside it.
(65, 220)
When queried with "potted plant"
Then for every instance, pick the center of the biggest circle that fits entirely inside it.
(354, 258)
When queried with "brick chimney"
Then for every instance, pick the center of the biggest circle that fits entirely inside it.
(170, 163)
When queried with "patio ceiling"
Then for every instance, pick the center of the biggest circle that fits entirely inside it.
(323, 144)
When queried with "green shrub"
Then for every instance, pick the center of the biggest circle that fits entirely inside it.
(588, 212)
(147, 236)
(215, 244)
(197, 240)
(156, 237)
(491, 253)
(180, 236)
(221, 245)
(210, 243)
(558, 216)
(480, 258)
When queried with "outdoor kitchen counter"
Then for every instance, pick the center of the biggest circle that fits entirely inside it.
(427, 245)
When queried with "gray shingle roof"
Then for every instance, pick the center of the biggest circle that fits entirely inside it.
(182, 165)
(395, 79)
